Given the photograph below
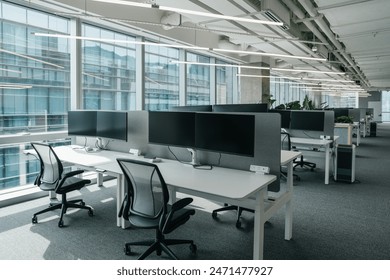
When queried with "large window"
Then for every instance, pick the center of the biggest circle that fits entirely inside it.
(386, 106)
(161, 78)
(198, 80)
(34, 84)
(108, 71)
(226, 75)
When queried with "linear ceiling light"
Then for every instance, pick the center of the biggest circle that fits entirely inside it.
(31, 58)
(12, 71)
(295, 78)
(254, 67)
(189, 12)
(174, 46)
(15, 86)
(308, 71)
(270, 54)
(103, 40)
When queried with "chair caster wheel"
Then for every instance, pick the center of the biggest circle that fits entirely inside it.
(61, 224)
(90, 212)
(193, 248)
(214, 215)
(238, 224)
(127, 250)
(34, 220)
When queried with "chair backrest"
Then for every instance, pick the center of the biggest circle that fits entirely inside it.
(51, 166)
(286, 141)
(147, 192)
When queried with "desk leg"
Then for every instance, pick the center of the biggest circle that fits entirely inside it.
(289, 206)
(99, 179)
(258, 238)
(327, 163)
(120, 194)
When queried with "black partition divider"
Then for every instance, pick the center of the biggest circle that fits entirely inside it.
(193, 108)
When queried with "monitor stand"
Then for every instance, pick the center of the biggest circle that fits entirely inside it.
(194, 157)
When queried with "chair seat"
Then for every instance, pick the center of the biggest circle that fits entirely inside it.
(72, 184)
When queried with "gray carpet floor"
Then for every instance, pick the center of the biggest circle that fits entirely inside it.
(339, 221)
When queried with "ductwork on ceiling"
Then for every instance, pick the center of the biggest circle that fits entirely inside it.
(340, 54)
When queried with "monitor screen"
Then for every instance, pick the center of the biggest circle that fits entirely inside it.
(82, 123)
(339, 112)
(172, 128)
(225, 133)
(285, 117)
(112, 124)
(250, 108)
(307, 120)
(193, 108)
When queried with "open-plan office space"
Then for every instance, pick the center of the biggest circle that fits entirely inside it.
(203, 93)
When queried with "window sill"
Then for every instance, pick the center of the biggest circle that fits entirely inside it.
(20, 194)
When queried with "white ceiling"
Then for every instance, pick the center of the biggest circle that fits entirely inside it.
(354, 35)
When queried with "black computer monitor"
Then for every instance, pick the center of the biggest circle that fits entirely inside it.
(193, 108)
(307, 120)
(82, 123)
(172, 128)
(285, 117)
(225, 133)
(339, 112)
(250, 108)
(111, 124)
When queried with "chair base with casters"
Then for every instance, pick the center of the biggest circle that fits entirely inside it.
(302, 163)
(232, 207)
(283, 175)
(159, 245)
(64, 205)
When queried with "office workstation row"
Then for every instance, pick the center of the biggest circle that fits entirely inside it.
(197, 150)
(231, 162)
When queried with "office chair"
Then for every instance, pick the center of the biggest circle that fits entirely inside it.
(227, 207)
(286, 145)
(301, 162)
(146, 206)
(52, 178)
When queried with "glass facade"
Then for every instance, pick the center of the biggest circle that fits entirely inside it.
(108, 71)
(386, 106)
(225, 76)
(34, 85)
(161, 78)
(198, 80)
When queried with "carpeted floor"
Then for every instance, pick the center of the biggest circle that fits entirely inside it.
(331, 222)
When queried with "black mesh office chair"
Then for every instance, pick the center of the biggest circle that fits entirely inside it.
(303, 163)
(52, 178)
(146, 206)
(286, 145)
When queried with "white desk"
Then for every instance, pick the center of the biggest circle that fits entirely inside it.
(242, 188)
(317, 143)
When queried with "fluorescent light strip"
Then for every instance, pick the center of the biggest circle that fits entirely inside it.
(294, 78)
(270, 54)
(15, 86)
(118, 41)
(12, 71)
(31, 58)
(254, 67)
(190, 12)
(308, 71)
(173, 46)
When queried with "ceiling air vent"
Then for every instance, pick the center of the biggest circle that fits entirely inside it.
(276, 11)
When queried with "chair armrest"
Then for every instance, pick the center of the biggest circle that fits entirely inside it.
(72, 173)
(180, 204)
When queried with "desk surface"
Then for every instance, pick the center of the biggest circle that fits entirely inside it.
(219, 181)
